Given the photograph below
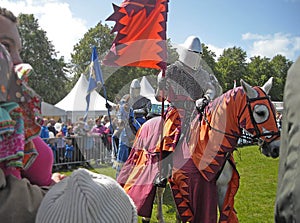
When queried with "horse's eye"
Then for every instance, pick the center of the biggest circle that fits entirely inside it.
(260, 113)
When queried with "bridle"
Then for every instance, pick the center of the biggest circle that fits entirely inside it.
(258, 134)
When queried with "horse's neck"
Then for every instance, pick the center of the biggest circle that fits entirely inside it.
(225, 111)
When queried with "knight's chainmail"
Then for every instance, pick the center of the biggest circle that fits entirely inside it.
(191, 83)
(183, 81)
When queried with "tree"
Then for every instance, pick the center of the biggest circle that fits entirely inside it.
(259, 70)
(209, 57)
(280, 66)
(50, 73)
(231, 66)
(101, 38)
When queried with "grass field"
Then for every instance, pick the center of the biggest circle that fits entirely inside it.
(255, 198)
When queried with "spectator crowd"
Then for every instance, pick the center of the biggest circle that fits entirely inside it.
(78, 143)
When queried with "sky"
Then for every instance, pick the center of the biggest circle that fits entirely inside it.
(260, 27)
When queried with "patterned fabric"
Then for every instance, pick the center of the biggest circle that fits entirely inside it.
(12, 142)
(210, 149)
(7, 124)
(19, 121)
(30, 103)
(139, 171)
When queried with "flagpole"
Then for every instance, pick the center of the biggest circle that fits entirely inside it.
(108, 106)
(162, 127)
(94, 79)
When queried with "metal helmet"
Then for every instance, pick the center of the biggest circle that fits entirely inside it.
(161, 89)
(190, 52)
(135, 88)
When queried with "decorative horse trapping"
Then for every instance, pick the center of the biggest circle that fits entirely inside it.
(203, 163)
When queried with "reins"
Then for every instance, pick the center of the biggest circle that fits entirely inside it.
(215, 129)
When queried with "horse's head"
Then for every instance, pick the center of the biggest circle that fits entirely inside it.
(260, 116)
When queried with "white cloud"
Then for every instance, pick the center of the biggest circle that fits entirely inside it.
(272, 45)
(251, 36)
(63, 29)
(217, 50)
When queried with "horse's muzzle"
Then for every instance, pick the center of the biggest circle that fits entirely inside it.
(270, 149)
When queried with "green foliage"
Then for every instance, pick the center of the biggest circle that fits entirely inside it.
(209, 58)
(50, 74)
(280, 66)
(231, 66)
(259, 70)
(98, 36)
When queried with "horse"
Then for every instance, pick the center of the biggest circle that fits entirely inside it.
(204, 177)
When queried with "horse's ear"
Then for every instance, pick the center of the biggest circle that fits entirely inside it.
(250, 92)
(268, 85)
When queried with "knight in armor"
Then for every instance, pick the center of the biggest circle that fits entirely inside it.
(190, 85)
(186, 86)
(131, 115)
(140, 106)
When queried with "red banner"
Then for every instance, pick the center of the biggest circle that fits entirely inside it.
(141, 34)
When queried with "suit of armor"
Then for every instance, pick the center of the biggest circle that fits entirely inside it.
(186, 79)
(186, 86)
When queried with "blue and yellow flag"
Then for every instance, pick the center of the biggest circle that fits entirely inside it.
(95, 78)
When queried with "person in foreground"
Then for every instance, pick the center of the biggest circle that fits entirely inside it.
(87, 197)
(40, 170)
(25, 160)
(19, 198)
(287, 205)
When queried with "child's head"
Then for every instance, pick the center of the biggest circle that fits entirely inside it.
(105, 200)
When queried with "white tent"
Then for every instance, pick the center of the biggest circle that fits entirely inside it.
(75, 102)
(51, 110)
(278, 105)
(148, 91)
(146, 88)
